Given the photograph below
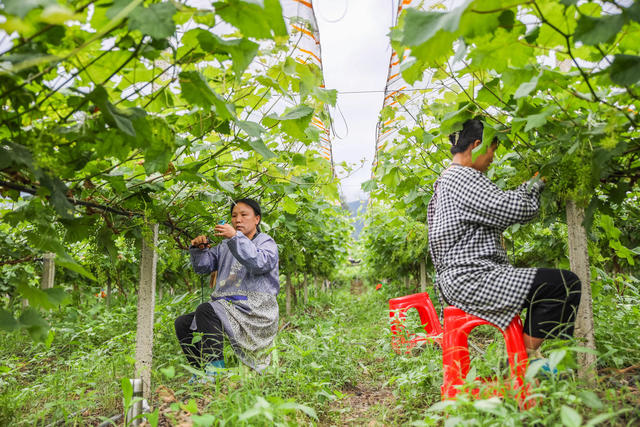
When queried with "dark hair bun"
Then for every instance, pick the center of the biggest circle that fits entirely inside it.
(461, 140)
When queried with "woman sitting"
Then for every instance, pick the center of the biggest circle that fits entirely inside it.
(243, 305)
(467, 216)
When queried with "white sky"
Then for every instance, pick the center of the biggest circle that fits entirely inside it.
(355, 57)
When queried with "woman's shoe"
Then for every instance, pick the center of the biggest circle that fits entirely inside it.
(212, 369)
(543, 368)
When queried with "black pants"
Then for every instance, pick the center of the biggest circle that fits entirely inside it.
(552, 304)
(210, 346)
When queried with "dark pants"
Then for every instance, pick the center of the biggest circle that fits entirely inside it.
(210, 346)
(552, 304)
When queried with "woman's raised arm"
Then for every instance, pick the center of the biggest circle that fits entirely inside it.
(259, 257)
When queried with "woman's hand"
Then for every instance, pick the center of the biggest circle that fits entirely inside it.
(201, 242)
(225, 230)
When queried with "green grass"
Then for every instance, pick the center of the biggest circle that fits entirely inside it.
(335, 367)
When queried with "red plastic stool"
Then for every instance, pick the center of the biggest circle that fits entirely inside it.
(428, 317)
(456, 363)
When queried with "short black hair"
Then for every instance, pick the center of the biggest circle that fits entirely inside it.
(471, 131)
(253, 204)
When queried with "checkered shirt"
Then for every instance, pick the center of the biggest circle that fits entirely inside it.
(467, 215)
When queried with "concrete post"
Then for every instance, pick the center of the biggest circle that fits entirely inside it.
(48, 270)
(146, 306)
(579, 261)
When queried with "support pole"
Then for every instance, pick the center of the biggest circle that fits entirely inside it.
(146, 306)
(423, 276)
(136, 407)
(579, 261)
(48, 270)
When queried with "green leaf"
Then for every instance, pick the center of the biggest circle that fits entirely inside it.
(168, 372)
(33, 322)
(298, 112)
(56, 14)
(289, 205)
(592, 31)
(58, 198)
(488, 134)
(20, 8)
(251, 128)
(420, 27)
(570, 417)
(293, 405)
(7, 321)
(155, 21)
(224, 185)
(113, 115)
(275, 17)
(191, 406)
(625, 70)
(15, 154)
(196, 91)
(532, 35)
(127, 392)
(607, 224)
(259, 147)
(63, 259)
(160, 146)
(590, 399)
(488, 405)
(204, 420)
(526, 88)
(36, 297)
(153, 417)
(538, 120)
(392, 178)
(248, 17)
(242, 51)
(57, 296)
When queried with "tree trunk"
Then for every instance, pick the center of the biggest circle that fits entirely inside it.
(48, 270)
(305, 290)
(423, 276)
(146, 306)
(579, 260)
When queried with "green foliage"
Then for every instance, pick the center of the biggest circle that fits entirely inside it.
(112, 119)
(393, 244)
(331, 351)
(559, 94)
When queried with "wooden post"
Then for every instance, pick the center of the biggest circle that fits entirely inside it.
(146, 306)
(423, 276)
(579, 261)
(48, 270)
(288, 300)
